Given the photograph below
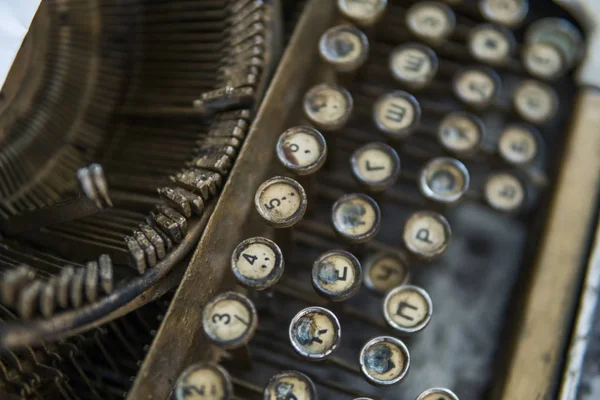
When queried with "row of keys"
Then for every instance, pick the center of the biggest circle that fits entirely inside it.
(210, 381)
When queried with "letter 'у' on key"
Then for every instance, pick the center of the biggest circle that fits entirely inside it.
(461, 133)
(229, 320)
(444, 180)
(376, 166)
(519, 144)
(504, 192)
(535, 102)
(427, 234)
(476, 86)
(344, 47)
(504, 12)
(397, 114)
(257, 263)
(302, 150)
(491, 44)
(385, 271)
(407, 309)
(315, 333)
(290, 385)
(356, 218)
(384, 361)
(328, 106)
(430, 21)
(414, 65)
(362, 12)
(337, 275)
(204, 381)
(437, 394)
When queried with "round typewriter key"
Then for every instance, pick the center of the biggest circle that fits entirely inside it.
(344, 47)
(376, 166)
(397, 114)
(383, 272)
(476, 87)
(427, 234)
(518, 144)
(328, 106)
(281, 201)
(290, 385)
(315, 333)
(430, 21)
(437, 394)
(407, 309)
(302, 150)
(504, 192)
(544, 60)
(491, 44)
(204, 381)
(504, 12)
(444, 180)
(561, 34)
(229, 320)
(461, 133)
(257, 263)
(356, 217)
(414, 65)
(535, 101)
(337, 275)
(384, 361)
(362, 12)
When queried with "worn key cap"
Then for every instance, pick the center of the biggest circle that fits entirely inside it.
(302, 150)
(491, 44)
(535, 102)
(315, 333)
(204, 381)
(444, 180)
(427, 234)
(504, 192)
(356, 218)
(437, 394)
(344, 47)
(384, 361)
(461, 133)
(385, 271)
(337, 275)
(519, 144)
(362, 12)
(414, 65)
(476, 86)
(430, 21)
(290, 385)
(397, 114)
(504, 12)
(229, 320)
(376, 166)
(257, 263)
(328, 106)
(407, 309)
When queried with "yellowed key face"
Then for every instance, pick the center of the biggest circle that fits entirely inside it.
(290, 385)
(407, 309)
(444, 179)
(431, 21)
(543, 60)
(426, 234)
(229, 320)
(363, 12)
(504, 12)
(302, 150)
(413, 64)
(397, 114)
(518, 144)
(476, 87)
(384, 361)
(356, 217)
(281, 201)
(376, 166)
(461, 133)
(383, 272)
(205, 381)
(315, 333)
(257, 263)
(504, 192)
(337, 275)
(491, 44)
(328, 106)
(437, 394)
(535, 101)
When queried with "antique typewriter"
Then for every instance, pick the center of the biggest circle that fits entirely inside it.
(295, 200)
